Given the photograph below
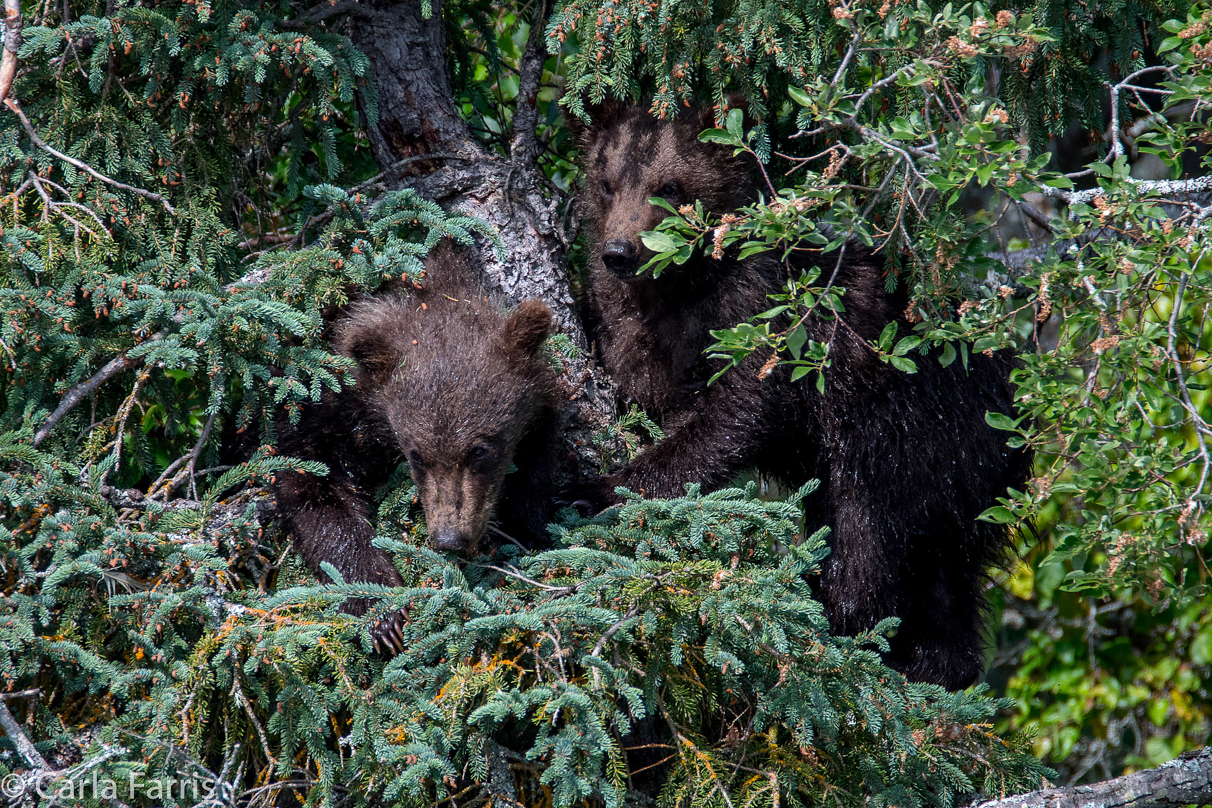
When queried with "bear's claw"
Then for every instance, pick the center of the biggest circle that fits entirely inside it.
(387, 635)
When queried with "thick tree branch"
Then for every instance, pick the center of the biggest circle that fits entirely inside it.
(13, 730)
(417, 117)
(524, 145)
(330, 9)
(11, 44)
(1186, 780)
(1199, 185)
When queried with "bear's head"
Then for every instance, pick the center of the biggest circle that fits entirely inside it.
(628, 157)
(457, 385)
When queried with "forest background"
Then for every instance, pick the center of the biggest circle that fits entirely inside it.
(188, 187)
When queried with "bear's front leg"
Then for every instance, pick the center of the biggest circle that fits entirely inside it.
(329, 516)
(329, 520)
(734, 421)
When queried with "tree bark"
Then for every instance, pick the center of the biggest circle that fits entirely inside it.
(417, 116)
(1186, 780)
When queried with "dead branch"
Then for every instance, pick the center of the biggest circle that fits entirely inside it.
(82, 391)
(1187, 780)
(12, 104)
(26, 749)
(11, 44)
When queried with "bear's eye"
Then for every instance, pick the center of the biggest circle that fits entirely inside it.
(606, 189)
(670, 190)
(478, 453)
(415, 460)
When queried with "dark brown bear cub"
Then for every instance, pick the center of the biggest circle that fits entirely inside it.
(451, 385)
(906, 462)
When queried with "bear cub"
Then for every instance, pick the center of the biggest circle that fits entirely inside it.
(906, 462)
(457, 389)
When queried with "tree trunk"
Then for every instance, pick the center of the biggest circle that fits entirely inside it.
(417, 116)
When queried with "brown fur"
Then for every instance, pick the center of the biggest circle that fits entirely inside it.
(452, 386)
(906, 462)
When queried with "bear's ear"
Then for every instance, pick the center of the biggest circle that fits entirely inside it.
(526, 329)
(734, 100)
(601, 116)
(370, 338)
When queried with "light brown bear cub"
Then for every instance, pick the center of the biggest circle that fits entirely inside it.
(450, 384)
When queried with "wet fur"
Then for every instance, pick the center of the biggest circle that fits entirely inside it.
(906, 462)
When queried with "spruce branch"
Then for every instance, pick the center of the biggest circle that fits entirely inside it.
(13, 105)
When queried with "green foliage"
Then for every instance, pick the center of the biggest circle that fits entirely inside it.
(1110, 399)
(768, 50)
(1103, 684)
(920, 129)
(170, 631)
(685, 626)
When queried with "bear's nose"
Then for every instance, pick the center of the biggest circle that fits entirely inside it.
(619, 255)
(449, 540)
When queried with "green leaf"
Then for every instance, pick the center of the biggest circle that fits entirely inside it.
(736, 120)
(986, 344)
(754, 248)
(770, 314)
(795, 341)
(661, 202)
(659, 242)
(1168, 44)
(904, 364)
(799, 96)
(998, 515)
(1201, 647)
(1001, 421)
(886, 337)
(718, 136)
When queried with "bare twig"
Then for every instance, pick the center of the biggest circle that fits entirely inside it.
(850, 51)
(52, 205)
(1201, 426)
(12, 104)
(610, 632)
(83, 391)
(1113, 132)
(565, 590)
(197, 452)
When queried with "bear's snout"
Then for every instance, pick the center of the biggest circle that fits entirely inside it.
(619, 256)
(450, 540)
